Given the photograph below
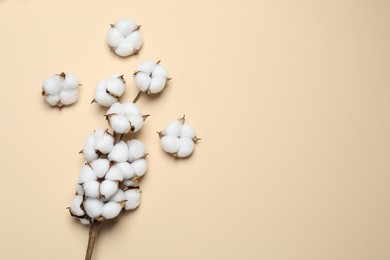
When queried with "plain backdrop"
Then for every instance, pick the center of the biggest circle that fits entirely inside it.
(290, 98)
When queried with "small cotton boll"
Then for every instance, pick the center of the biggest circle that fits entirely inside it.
(93, 207)
(114, 174)
(100, 167)
(173, 128)
(170, 144)
(160, 71)
(102, 97)
(157, 84)
(98, 133)
(111, 210)
(130, 183)
(125, 26)
(116, 108)
(75, 208)
(187, 131)
(86, 174)
(131, 108)
(133, 197)
(186, 147)
(125, 48)
(140, 166)
(118, 196)
(52, 85)
(70, 81)
(84, 221)
(68, 97)
(91, 189)
(142, 80)
(53, 100)
(108, 188)
(115, 86)
(147, 67)
(136, 149)
(90, 154)
(114, 38)
(136, 40)
(104, 143)
(79, 189)
(119, 124)
(137, 121)
(120, 152)
(127, 170)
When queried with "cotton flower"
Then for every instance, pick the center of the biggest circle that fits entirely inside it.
(61, 89)
(108, 91)
(178, 138)
(151, 77)
(125, 117)
(125, 38)
(100, 142)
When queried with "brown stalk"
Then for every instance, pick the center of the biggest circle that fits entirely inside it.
(93, 231)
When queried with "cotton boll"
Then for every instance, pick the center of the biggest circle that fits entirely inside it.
(142, 80)
(136, 121)
(68, 97)
(111, 210)
(93, 207)
(75, 208)
(118, 196)
(90, 154)
(127, 170)
(108, 188)
(119, 124)
(98, 133)
(187, 131)
(52, 85)
(86, 174)
(53, 100)
(116, 108)
(115, 86)
(186, 147)
(170, 144)
(114, 174)
(125, 48)
(100, 167)
(157, 84)
(136, 149)
(147, 67)
(114, 38)
(125, 26)
(102, 97)
(160, 71)
(79, 189)
(131, 108)
(91, 189)
(140, 166)
(70, 81)
(136, 40)
(131, 183)
(84, 221)
(133, 197)
(104, 143)
(174, 128)
(120, 152)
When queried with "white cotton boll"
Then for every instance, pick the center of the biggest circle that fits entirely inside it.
(93, 207)
(127, 170)
(130, 183)
(116, 108)
(136, 149)
(147, 67)
(101, 96)
(68, 97)
(114, 37)
(98, 133)
(142, 80)
(91, 189)
(115, 86)
(114, 174)
(84, 221)
(111, 210)
(170, 144)
(136, 121)
(119, 124)
(120, 152)
(125, 48)
(130, 108)
(86, 174)
(140, 166)
(108, 188)
(70, 81)
(100, 167)
(79, 189)
(186, 147)
(160, 71)
(118, 196)
(90, 154)
(53, 100)
(104, 143)
(173, 129)
(75, 208)
(136, 40)
(133, 197)
(52, 85)
(157, 84)
(125, 26)
(187, 131)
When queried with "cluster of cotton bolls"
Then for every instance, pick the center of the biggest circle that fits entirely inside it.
(151, 77)
(61, 89)
(108, 181)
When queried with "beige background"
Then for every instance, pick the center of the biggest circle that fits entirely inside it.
(291, 99)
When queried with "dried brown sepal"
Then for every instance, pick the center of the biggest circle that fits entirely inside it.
(196, 139)
(182, 119)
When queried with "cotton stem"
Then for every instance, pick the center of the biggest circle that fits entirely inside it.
(93, 231)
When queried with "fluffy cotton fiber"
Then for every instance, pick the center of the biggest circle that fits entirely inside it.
(125, 38)
(61, 89)
(151, 77)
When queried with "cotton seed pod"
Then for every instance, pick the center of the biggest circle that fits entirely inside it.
(136, 149)
(151, 77)
(124, 37)
(114, 174)
(120, 152)
(84, 221)
(108, 91)
(93, 207)
(131, 183)
(111, 210)
(61, 89)
(133, 197)
(86, 174)
(79, 189)
(108, 188)
(127, 170)
(100, 167)
(124, 117)
(140, 166)
(76, 206)
(91, 189)
(100, 141)
(118, 196)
